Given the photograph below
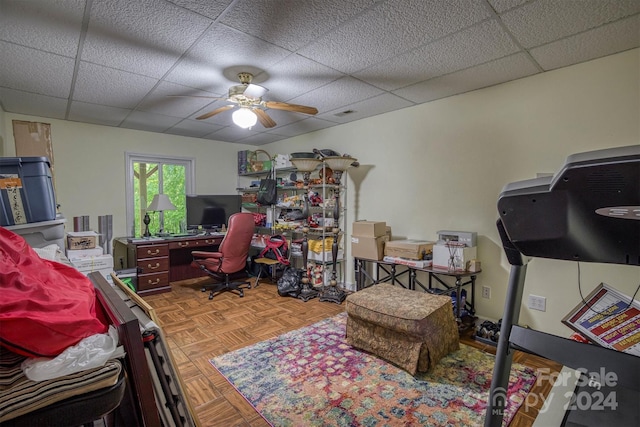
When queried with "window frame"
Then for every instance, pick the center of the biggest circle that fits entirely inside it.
(189, 164)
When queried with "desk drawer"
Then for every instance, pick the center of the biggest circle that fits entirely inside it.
(152, 281)
(153, 265)
(151, 251)
(194, 243)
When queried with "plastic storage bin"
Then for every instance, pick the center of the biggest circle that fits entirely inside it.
(26, 190)
(41, 234)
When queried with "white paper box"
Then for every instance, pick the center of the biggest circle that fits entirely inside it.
(442, 255)
(96, 263)
(315, 256)
(282, 161)
(84, 253)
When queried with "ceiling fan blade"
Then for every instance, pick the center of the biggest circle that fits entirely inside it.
(264, 118)
(255, 91)
(291, 107)
(214, 112)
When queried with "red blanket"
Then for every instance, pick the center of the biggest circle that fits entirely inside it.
(45, 306)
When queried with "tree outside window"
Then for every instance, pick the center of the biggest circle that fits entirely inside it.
(149, 176)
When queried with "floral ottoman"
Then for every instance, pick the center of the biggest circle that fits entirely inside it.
(411, 329)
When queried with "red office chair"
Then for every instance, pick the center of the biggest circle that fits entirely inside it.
(231, 257)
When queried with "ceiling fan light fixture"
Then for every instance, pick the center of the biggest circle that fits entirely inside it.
(244, 117)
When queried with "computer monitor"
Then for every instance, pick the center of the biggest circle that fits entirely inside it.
(211, 212)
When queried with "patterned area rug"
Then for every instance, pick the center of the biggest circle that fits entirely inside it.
(311, 377)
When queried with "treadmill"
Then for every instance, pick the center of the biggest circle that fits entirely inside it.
(589, 211)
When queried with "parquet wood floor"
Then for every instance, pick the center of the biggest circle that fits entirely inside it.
(198, 329)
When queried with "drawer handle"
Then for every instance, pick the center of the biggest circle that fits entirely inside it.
(181, 244)
(153, 267)
(156, 252)
(209, 242)
(153, 282)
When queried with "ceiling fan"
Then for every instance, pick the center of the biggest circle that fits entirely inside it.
(251, 107)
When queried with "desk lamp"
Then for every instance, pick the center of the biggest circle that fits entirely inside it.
(160, 203)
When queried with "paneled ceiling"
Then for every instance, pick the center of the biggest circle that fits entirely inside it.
(113, 62)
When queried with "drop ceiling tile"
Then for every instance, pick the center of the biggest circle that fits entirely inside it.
(32, 70)
(608, 39)
(143, 36)
(495, 72)
(294, 76)
(210, 9)
(149, 122)
(300, 127)
(97, 114)
(391, 28)
(541, 22)
(481, 43)
(159, 101)
(504, 5)
(339, 93)
(108, 86)
(15, 101)
(261, 138)
(219, 49)
(370, 107)
(42, 24)
(291, 24)
(193, 128)
(230, 134)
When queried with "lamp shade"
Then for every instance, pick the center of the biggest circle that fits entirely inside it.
(339, 163)
(305, 165)
(244, 117)
(161, 202)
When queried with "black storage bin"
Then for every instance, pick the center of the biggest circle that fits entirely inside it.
(26, 190)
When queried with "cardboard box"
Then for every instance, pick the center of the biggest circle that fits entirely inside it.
(442, 255)
(409, 248)
(369, 228)
(368, 247)
(82, 240)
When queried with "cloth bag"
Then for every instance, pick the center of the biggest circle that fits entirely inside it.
(268, 191)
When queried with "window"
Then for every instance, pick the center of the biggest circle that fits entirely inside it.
(151, 175)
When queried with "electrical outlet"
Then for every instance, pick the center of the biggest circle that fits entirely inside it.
(486, 292)
(536, 302)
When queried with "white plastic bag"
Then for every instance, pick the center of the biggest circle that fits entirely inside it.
(91, 352)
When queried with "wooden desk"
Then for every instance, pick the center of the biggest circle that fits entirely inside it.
(161, 261)
(388, 272)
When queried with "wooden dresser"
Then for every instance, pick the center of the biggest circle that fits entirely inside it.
(161, 261)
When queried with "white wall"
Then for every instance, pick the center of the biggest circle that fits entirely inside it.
(436, 166)
(90, 165)
(442, 165)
